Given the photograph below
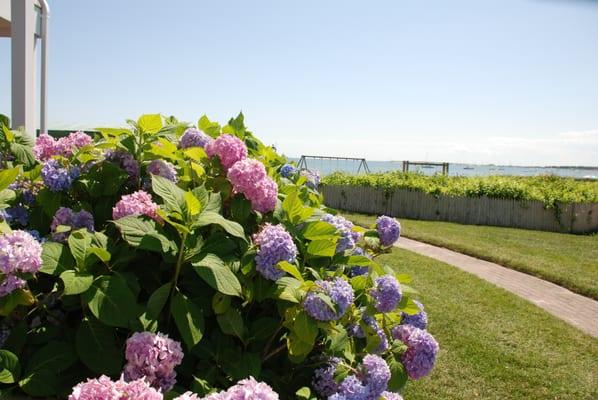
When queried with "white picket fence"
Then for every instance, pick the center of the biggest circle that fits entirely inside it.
(567, 217)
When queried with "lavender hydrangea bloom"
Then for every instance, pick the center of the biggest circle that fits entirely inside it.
(57, 177)
(124, 160)
(345, 228)
(164, 169)
(75, 219)
(19, 253)
(10, 284)
(389, 230)
(386, 293)
(371, 322)
(275, 244)
(44, 147)
(194, 138)
(351, 388)
(419, 320)
(391, 396)
(357, 270)
(422, 350)
(103, 388)
(15, 215)
(29, 189)
(323, 381)
(339, 291)
(376, 374)
(249, 389)
(313, 178)
(288, 170)
(153, 356)
(189, 396)
(137, 203)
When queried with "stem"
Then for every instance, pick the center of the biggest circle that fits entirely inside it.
(177, 270)
(269, 344)
(274, 352)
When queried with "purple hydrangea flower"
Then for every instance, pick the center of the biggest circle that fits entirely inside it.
(351, 388)
(124, 160)
(391, 396)
(376, 374)
(103, 388)
(288, 170)
(313, 178)
(153, 356)
(10, 284)
(58, 177)
(386, 293)
(75, 219)
(137, 203)
(194, 138)
(67, 145)
(419, 320)
(19, 253)
(228, 148)
(339, 291)
(323, 381)
(164, 169)
(356, 330)
(275, 244)
(422, 350)
(45, 147)
(28, 189)
(349, 238)
(189, 396)
(15, 215)
(389, 230)
(357, 270)
(249, 389)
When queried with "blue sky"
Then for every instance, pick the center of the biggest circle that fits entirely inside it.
(503, 81)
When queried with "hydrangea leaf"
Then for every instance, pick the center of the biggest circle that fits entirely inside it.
(7, 176)
(172, 195)
(189, 319)
(158, 300)
(111, 301)
(10, 368)
(318, 230)
(76, 282)
(97, 348)
(323, 248)
(218, 275)
(210, 217)
(231, 323)
(56, 258)
(150, 123)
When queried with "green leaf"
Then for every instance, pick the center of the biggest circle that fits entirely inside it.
(19, 297)
(23, 154)
(189, 319)
(220, 303)
(297, 348)
(323, 248)
(158, 300)
(76, 282)
(305, 327)
(318, 230)
(172, 195)
(291, 269)
(150, 123)
(210, 217)
(56, 258)
(7, 176)
(55, 356)
(292, 206)
(287, 288)
(359, 261)
(79, 241)
(398, 376)
(408, 306)
(97, 348)
(10, 368)
(218, 275)
(303, 393)
(6, 196)
(142, 233)
(231, 323)
(192, 204)
(42, 383)
(111, 301)
(209, 127)
(100, 253)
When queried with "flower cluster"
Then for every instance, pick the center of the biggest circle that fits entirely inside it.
(46, 146)
(339, 292)
(349, 237)
(103, 388)
(64, 216)
(194, 138)
(153, 356)
(313, 178)
(386, 293)
(246, 389)
(19, 253)
(58, 177)
(162, 168)
(419, 320)
(228, 148)
(28, 188)
(357, 331)
(288, 170)
(15, 215)
(369, 382)
(421, 352)
(389, 230)
(275, 244)
(323, 381)
(125, 161)
(356, 270)
(137, 203)
(249, 177)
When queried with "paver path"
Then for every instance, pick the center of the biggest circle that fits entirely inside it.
(573, 308)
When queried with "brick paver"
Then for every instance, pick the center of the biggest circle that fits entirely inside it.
(572, 308)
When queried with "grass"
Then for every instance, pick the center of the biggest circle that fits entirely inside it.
(548, 189)
(568, 260)
(494, 345)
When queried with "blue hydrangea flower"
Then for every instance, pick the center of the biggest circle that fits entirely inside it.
(377, 374)
(339, 291)
(323, 381)
(419, 320)
(422, 349)
(194, 138)
(351, 388)
(288, 170)
(275, 244)
(357, 270)
(15, 215)
(389, 230)
(386, 293)
(58, 177)
(345, 228)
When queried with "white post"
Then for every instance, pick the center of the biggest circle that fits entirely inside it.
(43, 115)
(23, 21)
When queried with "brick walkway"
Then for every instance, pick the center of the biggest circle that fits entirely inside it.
(577, 310)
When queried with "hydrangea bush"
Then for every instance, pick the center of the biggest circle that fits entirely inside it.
(173, 261)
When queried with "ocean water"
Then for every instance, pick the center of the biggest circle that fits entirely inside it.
(326, 167)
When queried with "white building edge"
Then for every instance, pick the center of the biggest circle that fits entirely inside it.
(24, 22)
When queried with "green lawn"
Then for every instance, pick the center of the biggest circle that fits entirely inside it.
(568, 260)
(494, 345)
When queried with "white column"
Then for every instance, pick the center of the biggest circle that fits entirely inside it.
(23, 21)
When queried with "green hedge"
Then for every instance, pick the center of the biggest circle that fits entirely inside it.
(547, 189)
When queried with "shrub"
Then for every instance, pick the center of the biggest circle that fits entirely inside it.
(206, 268)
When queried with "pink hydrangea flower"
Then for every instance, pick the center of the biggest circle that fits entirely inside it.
(44, 148)
(245, 173)
(137, 203)
(228, 148)
(19, 253)
(153, 356)
(103, 388)
(263, 195)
